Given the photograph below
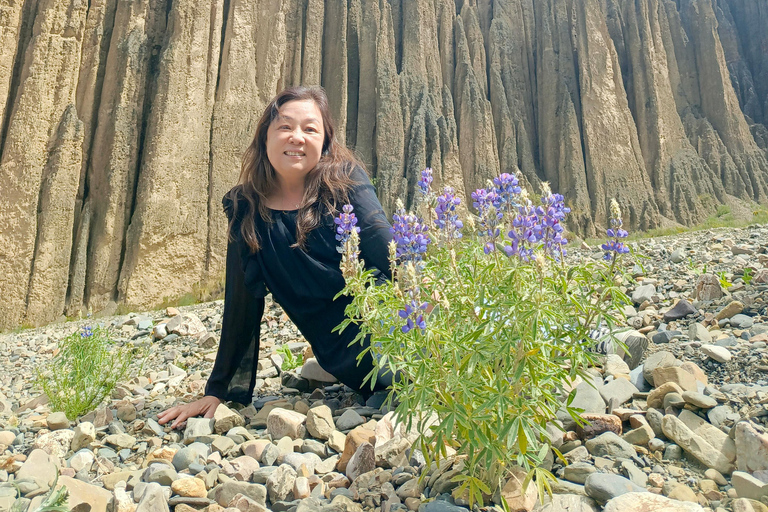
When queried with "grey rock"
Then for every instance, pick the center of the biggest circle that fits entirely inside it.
(349, 420)
(718, 353)
(224, 493)
(153, 499)
(619, 389)
(673, 452)
(699, 400)
(159, 473)
(57, 421)
(637, 379)
(660, 359)
(198, 427)
(609, 444)
(578, 472)
(602, 487)
(362, 461)
(643, 293)
(682, 309)
(742, 321)
(195, 452)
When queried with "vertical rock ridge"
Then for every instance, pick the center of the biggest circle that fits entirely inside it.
(250, 70)
(10, 28)
(166, 241)
(113, 170)
(53, 51)
(334, 60)
(614, 163)
(49, 276)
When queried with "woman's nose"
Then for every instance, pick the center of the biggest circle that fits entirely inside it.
(296, 137)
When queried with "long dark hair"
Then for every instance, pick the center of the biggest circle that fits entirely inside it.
(326, 186)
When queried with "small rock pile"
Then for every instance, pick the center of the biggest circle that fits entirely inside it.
(682, 427)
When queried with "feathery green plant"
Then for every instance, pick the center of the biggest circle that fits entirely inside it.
(86, 369)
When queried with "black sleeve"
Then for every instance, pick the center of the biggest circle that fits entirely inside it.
(374, 227)
(234, 372)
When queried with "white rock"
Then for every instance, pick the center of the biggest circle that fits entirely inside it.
(313, 371)
(718, 353)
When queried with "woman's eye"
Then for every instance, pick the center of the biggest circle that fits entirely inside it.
(311, 129)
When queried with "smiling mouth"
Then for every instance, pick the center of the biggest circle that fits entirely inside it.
(293, 153)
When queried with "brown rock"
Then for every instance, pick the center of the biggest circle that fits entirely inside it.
(676, 375)
(355, 438)
(598, 424)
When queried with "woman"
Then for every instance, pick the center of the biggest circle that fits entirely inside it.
(295, 177)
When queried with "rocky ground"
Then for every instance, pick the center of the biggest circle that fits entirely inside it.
(684, 430)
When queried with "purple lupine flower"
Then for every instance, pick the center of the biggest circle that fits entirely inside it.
(549, 228)
(409, 233)
(615, 233)
(447, 218)
(522, 235)
(486, 203)
(346, 222)
(87, 332)
(425, 182)
(413, 314)
(506, 188)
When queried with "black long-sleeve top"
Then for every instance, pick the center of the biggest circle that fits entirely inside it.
(303, 281)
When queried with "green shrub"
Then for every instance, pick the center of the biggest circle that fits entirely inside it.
(488, 332)
(86, 369)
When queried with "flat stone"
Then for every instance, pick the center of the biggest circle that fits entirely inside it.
(699, 400)
(578, 472)
(695, 445)
(643, 293)
(656, 397)
(649, 502)
(120, 440)
(675, 374)
(602, 487)
(354, 439)
(569, 503)
(598, 424)
(620, 390)
(153, 499)
(39, 467)
(82, 494)
(224, 492)
(718, 353)
(198, 427)
(362, 461)
(733, 308)
(698, 332)
(708, 288)
(189, 487)
(747, 486)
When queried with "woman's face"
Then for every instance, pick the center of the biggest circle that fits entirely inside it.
(295, 140)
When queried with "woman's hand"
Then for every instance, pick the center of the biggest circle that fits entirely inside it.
(205, 407)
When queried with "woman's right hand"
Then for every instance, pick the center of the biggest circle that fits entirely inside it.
(205, 407)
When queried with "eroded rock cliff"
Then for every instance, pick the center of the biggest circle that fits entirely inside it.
(122, 122)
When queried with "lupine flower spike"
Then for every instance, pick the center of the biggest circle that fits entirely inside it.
(489, 216)
(87, 332)
(409, 233)
(549, 228)
(347, 233)
(615, 246)
(522, 236)
(447, 220)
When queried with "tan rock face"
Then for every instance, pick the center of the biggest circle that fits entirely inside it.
(122, 125)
